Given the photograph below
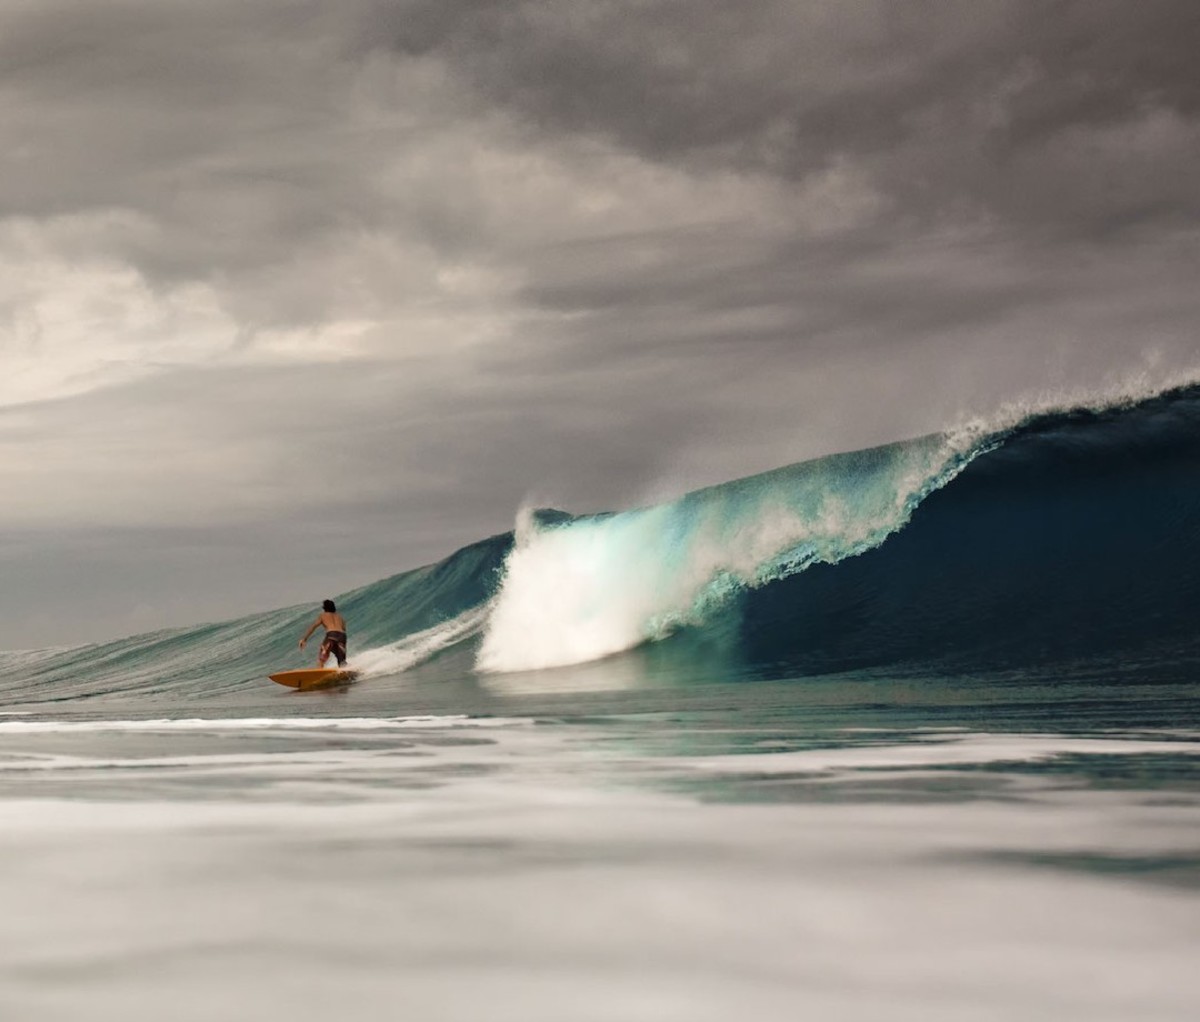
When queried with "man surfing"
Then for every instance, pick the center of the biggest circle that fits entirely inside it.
(335, 634)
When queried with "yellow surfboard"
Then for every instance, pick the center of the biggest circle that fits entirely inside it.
(314, 677)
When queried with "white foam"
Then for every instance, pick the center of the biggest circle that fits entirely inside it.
(253, 724)
(417, 648)
(940, 750)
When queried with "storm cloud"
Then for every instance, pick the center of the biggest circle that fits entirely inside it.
(294, 295)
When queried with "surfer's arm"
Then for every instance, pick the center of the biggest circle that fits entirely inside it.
(311, 628)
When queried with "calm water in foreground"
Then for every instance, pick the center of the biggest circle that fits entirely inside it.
(452, 849)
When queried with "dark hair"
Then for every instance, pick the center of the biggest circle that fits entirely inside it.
(329, 607)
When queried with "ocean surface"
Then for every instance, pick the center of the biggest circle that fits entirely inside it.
(903, 733)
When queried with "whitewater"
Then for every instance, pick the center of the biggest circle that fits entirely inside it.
(909, 732)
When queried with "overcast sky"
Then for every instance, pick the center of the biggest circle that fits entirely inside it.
(297, 295)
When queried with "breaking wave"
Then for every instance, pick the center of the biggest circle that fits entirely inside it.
(1058, 538)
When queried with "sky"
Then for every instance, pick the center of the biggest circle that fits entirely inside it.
(296, 295)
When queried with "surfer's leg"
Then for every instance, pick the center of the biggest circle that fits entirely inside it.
(323, 655)
(335, 643)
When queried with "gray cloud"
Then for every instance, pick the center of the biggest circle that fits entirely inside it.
(341, 284)
(1068, 119)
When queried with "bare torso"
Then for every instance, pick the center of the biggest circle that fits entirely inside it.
(332, 622)
(335, 636)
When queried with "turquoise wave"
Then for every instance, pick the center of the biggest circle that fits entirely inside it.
(1057, 539)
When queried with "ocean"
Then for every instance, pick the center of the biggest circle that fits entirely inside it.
(903, 733)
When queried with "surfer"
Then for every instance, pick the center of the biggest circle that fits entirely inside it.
(335, 634)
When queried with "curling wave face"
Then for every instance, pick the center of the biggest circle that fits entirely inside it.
(1059, 537)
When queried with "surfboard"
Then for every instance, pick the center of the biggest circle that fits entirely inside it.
(313, 677)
